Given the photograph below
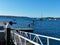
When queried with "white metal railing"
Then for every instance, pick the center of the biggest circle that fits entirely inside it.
(33, 38)
(20, 40)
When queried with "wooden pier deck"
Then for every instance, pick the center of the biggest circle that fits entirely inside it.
(24, 29)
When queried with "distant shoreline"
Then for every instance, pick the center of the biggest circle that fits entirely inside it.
(52, 18)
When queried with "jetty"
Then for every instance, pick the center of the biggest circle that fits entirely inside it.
(23, 29)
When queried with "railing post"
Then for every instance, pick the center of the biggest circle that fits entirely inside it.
(25, 42)
(30, 36)
(20, 41)
(37, 39)
(47, 41)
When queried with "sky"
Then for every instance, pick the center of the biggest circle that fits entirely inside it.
(30, 8)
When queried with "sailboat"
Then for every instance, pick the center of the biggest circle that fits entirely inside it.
(41, 17)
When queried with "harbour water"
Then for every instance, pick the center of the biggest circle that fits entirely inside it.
(44, 27)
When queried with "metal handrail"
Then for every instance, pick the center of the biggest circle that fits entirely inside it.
(46, 36)
(37, 37)
(35, 40)
(17, 36)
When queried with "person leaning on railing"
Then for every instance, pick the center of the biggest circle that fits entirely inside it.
(8, 27)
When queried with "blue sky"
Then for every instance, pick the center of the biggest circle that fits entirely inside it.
(30, 8)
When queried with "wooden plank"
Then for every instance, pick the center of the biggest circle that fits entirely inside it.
(24, 29)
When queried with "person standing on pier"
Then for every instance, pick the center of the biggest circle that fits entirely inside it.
(8, 27)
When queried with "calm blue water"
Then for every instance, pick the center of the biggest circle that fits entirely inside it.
(44, 27)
